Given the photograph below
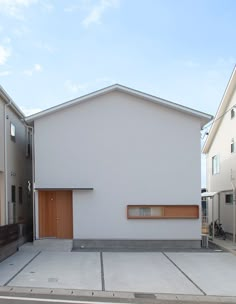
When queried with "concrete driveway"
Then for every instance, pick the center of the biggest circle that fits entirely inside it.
(189, 273)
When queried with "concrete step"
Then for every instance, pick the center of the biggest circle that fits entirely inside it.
(59, 245)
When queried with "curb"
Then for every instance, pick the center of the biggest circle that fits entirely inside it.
(109, 296)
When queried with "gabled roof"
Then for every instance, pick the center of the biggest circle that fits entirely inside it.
(220, 112)
(7, 99)
(204, 118)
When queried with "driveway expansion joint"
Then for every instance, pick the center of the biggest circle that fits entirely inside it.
(102, 271)
(199, 288)
(22, 268)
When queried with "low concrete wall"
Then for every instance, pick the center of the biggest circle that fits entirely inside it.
(8, 250)
(14, 241)
(135, 244)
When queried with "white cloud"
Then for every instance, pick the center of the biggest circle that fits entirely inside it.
(81, 5)
(5, 73)
(45, 46)
(4, 54)
(47, 6)
(190, 64)
(21, 31)
(98, 10)
(36, 68)
(6, 40)
(75, 87)
(228, 61)
(87, 87)
(30, 111)
(14, 8)
(106, 81)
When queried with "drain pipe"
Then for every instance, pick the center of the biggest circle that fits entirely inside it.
(234, 202)
(33, 182)
(33, 177)
(6, 161)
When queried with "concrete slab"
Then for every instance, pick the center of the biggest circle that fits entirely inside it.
(13, 264)
(67, 270)
(212, 272)
(144, 272)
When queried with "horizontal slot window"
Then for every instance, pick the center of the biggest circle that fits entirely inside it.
(162, 211)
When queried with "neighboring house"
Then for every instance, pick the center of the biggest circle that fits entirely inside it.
(110, 168)
(220, 148)
(15, 164)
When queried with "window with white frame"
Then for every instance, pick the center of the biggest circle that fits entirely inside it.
(232, 146)
(215, 164)
(232, 113)
(13, 131)
(28, 143)
(229, 198)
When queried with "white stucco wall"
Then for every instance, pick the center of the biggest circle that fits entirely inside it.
(131, 151)
(222, 181)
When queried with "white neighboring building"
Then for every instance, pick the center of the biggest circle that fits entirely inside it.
(110, 168)
(15, 163)
(220, 148)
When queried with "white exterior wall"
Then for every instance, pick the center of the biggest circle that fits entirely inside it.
(131, 151)
(222, 181)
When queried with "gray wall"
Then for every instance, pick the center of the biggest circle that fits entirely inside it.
(131, 151)
(2, 103)
(18, 169)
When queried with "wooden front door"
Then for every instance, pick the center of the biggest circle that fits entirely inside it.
(55, 214)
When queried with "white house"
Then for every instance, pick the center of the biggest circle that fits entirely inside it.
(15, 163)
(118, 167)
(220, 148)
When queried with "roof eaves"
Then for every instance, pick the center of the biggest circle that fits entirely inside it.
(203, 116)
(220, 111)
(70, 103)
(8, 100)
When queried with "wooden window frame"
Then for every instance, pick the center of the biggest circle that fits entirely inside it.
(163, 212)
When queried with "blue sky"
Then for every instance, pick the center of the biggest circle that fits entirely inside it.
(53, 51)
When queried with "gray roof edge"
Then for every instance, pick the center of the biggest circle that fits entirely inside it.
(203, 116)
(8, 100)
(217, 120)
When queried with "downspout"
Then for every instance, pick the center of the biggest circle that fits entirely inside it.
(33, 183)
(33, 178)
(6, 162)
(234, 202)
